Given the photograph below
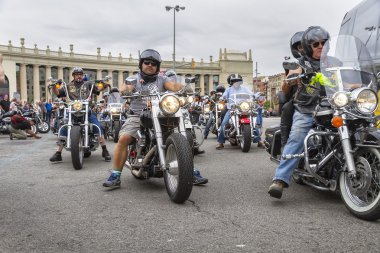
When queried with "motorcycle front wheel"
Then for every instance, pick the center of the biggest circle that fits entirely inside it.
(77, 152)
(43, 127)
(246, 139)
(116, 131)
(361, 195)
(179, 174)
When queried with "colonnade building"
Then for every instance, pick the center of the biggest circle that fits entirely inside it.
(28, 69)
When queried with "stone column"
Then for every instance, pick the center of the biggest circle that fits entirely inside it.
(120, 79)
(48, 75)
(36, 83)
(23, 83)
(60, 72)
(202, 84)
(111, 76)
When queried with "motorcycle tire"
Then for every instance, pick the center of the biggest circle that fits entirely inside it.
(179, 178)
(77, 152)
(117, 128)
(43, 127)
(246, 140)
(361, 195)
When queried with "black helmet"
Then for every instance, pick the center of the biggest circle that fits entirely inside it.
(234, 78)
(77, 71)
(294, 42)
(150, 54)
(313, 34)
(220, 88)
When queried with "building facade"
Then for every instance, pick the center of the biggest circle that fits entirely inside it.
(28, 69)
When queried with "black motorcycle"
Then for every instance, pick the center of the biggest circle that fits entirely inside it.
(42, 125)
(342, 150)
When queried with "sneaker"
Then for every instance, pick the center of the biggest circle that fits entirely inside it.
(198, 179)
(220, 146)
(113, 181)
(57, 157)
(276, 188)
(106, 155)
(11, 136)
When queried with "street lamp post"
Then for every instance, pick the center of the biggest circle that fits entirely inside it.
(175, 8)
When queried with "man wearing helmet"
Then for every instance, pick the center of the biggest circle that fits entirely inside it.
(289, 91)
(214, 95)
(305, 100)
(235, 81)
(76, 88)
(148, 79)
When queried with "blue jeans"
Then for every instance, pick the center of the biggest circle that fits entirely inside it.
(259, 119)
(92, 119)
(224, 123)
(302, 123)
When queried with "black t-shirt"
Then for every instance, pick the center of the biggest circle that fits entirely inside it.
(5, 105)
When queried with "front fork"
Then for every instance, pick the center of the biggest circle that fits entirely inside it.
(347, 150)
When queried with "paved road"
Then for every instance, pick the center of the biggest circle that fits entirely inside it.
(53, 208)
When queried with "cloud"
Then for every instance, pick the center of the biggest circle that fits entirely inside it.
(125, 27)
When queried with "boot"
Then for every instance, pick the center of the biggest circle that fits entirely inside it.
(285, 131)
(106, 154)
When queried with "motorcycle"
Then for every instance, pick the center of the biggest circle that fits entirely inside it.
(241, 129)
(41, 125)
(342, 150)
(5, 121)
(81, 139)
(162, 149)
(116, 112)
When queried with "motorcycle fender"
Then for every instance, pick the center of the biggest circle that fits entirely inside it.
(245, 121)
(367, 137)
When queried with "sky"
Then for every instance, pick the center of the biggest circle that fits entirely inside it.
(205, 26)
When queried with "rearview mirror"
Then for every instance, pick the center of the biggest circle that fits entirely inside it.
(291, 65)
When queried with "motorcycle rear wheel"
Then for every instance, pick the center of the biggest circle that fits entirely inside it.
(361, 195)
(77, 152)
(245, 142)
(179, 175)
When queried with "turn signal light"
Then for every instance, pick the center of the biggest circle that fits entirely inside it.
(57, 86)
(337, 121)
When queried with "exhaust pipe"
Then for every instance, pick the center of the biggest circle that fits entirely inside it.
(147, 159)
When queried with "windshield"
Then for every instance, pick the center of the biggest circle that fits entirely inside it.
(242, 94)
(345, 65)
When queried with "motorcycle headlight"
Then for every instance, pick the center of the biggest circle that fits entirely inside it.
(220, 106)
(190, 99)
(115, 110)
(61, 106)
(340, 99)
(244, 106)
(366, 101)
(77, 106)
(206, 109)
(169, 104)
(182, 101)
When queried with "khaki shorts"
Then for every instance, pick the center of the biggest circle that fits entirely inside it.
(130, 126)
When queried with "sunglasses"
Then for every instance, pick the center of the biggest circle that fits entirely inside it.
(152, 63)
(316, 44)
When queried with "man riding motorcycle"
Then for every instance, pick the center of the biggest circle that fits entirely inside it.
(215, 97)
(235, 81)
(148, 80)
(305, 100)
(74, 93)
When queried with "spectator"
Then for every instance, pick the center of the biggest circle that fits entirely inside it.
(5, 103)
(13, 105)
(20, 126)
(48, 107)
